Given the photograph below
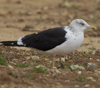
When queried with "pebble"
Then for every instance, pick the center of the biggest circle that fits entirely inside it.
(40, 66)
(76, 86)
(2, 86)
(92, 66)
(71, 16)
(44, 68)
(87, 85)
(57, 59)
(28, 57)
(63, 60)
(67, 80)
(48, 7)
(91, 16)
(28, 13)
(91, 58)
(54, 70)
(98, 60)
(46, 78)
(9, 66)
(35, 58)
(97, 71)
(18, 2)
(39, 11)
(75, 67)
(91, 79)
(12, 63)
(45, 7)
(79, 72)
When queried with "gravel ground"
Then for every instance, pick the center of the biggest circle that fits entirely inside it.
(25, 68)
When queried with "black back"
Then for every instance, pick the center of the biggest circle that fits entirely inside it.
(45, 40)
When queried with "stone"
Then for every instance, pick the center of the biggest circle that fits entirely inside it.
(40, 66)
(76, 86)
(87, 85)
(46, 78)
(45, 7)
(39, 11)
(54, 70)
(57, 60)
(98, 60)
(75, 67)
(92, 66)
(35, 58)
(12, 63)
(28, 57)
(91, 79)
(28, 13)
(91, 16)
(91, 58)
(57, 71)
(97, 71)
(63, 60)
(79, 72)
(67, 80)
(9, 66)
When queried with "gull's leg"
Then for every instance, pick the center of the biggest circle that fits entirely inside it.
(61, 63)
(53, 61)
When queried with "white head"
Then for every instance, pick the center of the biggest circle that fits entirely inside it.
(79, 25)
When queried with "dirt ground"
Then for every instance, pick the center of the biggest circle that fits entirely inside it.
(21, 17)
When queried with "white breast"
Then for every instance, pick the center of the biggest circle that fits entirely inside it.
(72, 43)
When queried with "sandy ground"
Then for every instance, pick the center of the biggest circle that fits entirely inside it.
(21, 17)
(33, 16)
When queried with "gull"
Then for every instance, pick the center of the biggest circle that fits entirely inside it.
(55, 41)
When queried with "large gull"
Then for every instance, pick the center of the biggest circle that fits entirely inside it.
(55, 41)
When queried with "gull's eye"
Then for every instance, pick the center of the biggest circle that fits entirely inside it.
(82, 24)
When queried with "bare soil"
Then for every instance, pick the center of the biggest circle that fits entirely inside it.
(21, 17)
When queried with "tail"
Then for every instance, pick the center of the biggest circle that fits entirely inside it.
(10, 43)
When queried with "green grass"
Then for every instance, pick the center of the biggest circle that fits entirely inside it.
(82, 52)
(21, 14)
(2, 61)
(63, 3)
(75, 7)
(11, 52)
(29, 76)
(91, 50)
(21, 65)
(98, 79)
(99, 3)
(80, 64)
(39, 70)
(81, 78)
(75, 57)
(67, 64)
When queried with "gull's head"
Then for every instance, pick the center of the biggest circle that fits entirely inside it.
(80, 25)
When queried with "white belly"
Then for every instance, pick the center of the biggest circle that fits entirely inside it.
(71, 44)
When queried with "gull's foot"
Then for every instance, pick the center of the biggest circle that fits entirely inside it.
(62, 65)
